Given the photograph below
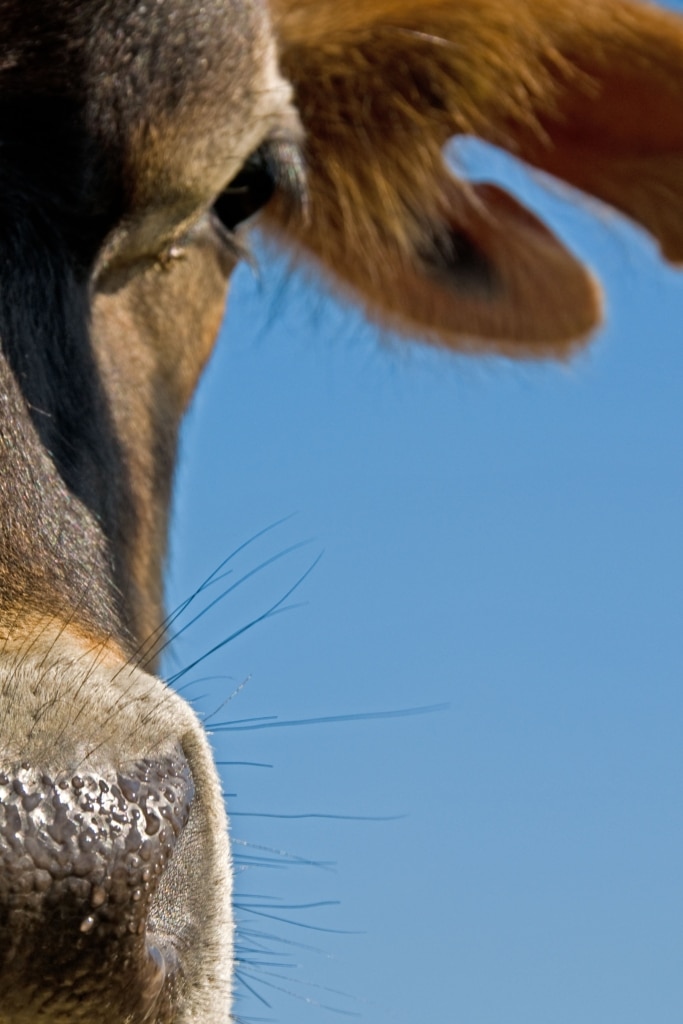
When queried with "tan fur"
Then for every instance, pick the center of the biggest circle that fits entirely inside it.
(152, 354)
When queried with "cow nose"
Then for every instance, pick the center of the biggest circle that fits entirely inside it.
(81, 857)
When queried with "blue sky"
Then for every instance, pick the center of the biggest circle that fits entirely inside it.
(500, 538)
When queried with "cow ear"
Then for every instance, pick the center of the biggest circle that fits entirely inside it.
(615, 127)
(591, 92)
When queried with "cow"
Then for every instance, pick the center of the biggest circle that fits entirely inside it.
(136, 141)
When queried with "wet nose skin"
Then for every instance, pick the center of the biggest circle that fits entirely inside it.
(81, 855)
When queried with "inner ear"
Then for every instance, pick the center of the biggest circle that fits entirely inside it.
(451, 255)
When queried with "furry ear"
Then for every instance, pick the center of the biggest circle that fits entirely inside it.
(592, 92)
(615, 129)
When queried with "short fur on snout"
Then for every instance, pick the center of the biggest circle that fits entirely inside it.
(115, 878)
(133, 140)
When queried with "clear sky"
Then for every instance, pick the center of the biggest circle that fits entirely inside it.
(503, 539)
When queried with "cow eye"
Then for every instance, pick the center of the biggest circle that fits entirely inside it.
(248, 192)
(277, 165)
